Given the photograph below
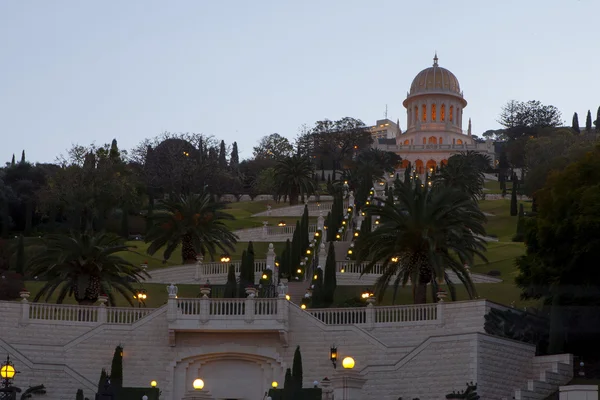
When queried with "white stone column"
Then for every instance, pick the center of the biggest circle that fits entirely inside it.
(327, 389)
(249, 311)
(172, 303)
(264, 230)
(102, 314)
(271, 261)
(370, 314)
(198, 274)
(25, 310)
(347, 385)
(204, 309)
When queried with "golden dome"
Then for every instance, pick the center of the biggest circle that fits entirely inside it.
(435, 79)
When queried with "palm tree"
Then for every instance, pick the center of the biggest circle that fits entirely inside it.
(84, 265)
(195, 222)
(293, 177)
(427, 232)
(464, 172)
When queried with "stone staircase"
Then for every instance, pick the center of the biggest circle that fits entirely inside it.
(548, 375)
(296, 290)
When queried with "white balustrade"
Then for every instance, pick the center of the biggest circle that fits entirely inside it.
(351, 267)
(376, 315)
(63, 312)
(409, 313)
(340, 316)
(126, 315)
(230, 309)
(94, 314)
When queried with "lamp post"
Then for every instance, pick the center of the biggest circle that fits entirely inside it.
(7, 372)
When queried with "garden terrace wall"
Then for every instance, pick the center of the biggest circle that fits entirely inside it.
(445, 342)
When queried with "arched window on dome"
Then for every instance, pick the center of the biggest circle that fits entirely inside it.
(432, 140)
(406, 142)
(458, 141)
(433, 112)
(441, 141)
(443, 113)
(424, 112)
(451, 114)
(424, 140)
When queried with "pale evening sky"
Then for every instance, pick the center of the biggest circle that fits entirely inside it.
(83, 71)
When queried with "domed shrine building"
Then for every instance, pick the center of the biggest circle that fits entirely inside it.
(434, 109)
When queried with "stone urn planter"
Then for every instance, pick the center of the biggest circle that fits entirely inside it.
(205, 291)
(251, 291)
(24, 294)
(102, 299)
(441, 295)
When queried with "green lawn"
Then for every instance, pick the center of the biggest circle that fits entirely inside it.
(493, 187)
(501, 256)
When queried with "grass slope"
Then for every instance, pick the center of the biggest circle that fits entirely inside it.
(501, 257)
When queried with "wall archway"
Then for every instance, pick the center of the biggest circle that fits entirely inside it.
(407, 142)
(459, 141)
(444, 162)
(252, 373)
(432, 140)
(431, 164)
(405, 163)
(419, 167)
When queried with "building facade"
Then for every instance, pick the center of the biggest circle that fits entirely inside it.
(434, 113)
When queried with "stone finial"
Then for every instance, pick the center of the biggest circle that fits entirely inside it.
(435, 60)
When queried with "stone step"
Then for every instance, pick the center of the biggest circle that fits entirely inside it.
(297, 290)
(523, 394)
(541, 388)
(550, 377)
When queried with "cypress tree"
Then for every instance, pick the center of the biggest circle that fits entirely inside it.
(79, 395)
(575, 124)
(330, 279)
(297, 369)
(4, 218)
(513, 200)
(22, 156)
(304, 237)
(285, 260)
(520, 225)
(222, 156)
(20, 267)
(588, 122)
(329, 226)
(317, 283)
(12, 162)
(243, 275)
(598, 120)
(114, 154)
(366, 226)
(397, 182)
(250, 262)
(103, 376)
(231, 284)
(116, 368)
(288, 385)
(234, 160)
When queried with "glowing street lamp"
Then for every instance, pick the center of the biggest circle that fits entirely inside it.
(7, 372)
(198, 384)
